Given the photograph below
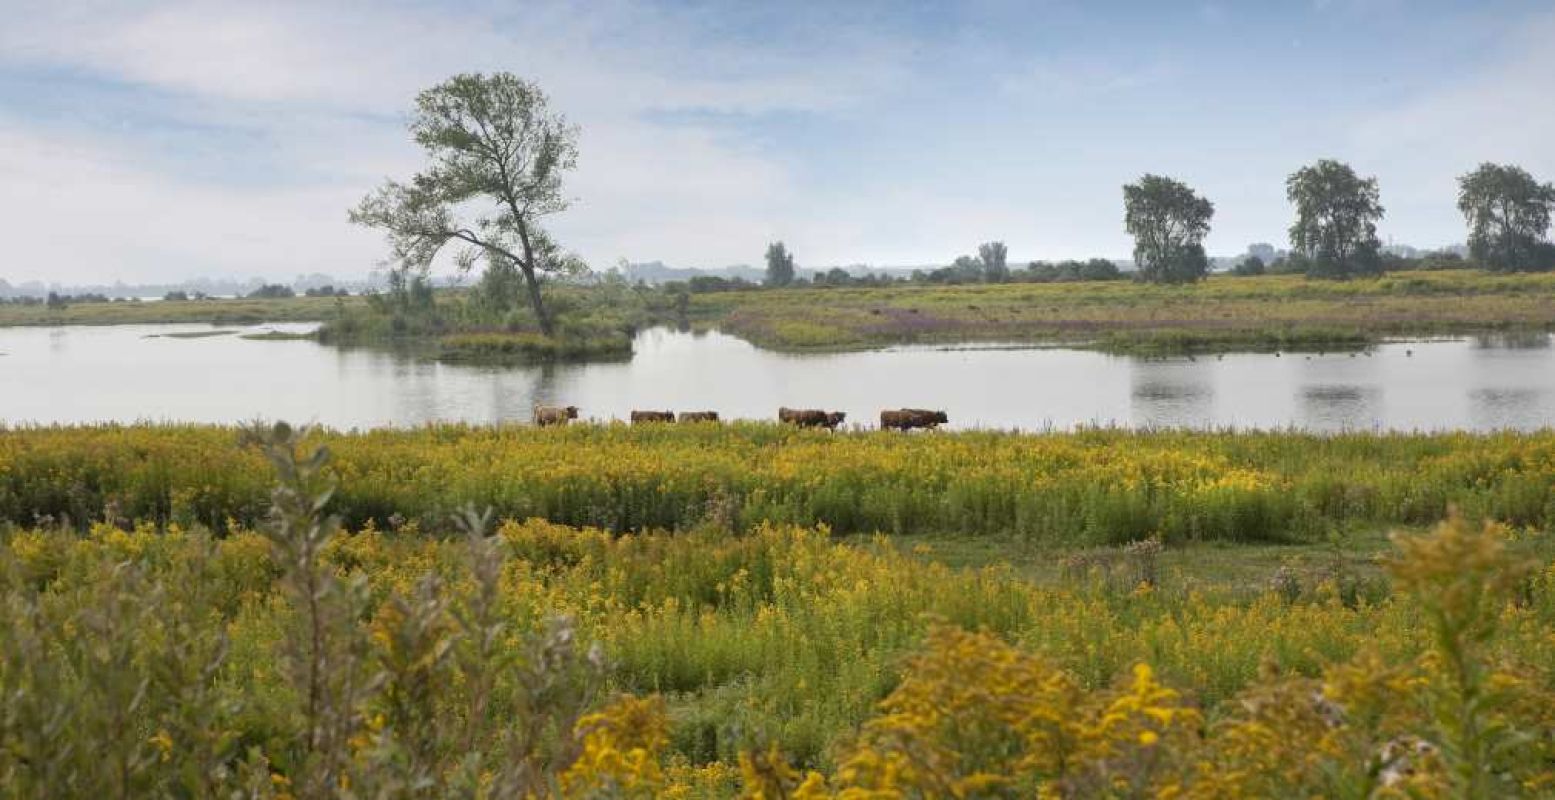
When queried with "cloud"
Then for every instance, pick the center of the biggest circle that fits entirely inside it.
(1499, 112)
(312, 95)
(87, 213)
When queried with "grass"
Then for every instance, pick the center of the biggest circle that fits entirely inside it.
(1275, 312)
(191, 334)
(280, 336)
(1222, 313)
(238, 311)
(1039, 491)
(154, 659)
(460, 326)
(524, 347)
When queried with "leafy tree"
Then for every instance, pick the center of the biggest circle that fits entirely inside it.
(1168, 222)
(273, 291)
(1249, 267)
(498, 154)
(780, 265)
(1508, 213)
(55, 302)
(1336, 220)
(994, 256)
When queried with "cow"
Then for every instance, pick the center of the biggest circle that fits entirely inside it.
(905, 419)
(554, 415)
(697, 416)
(811, 417)
(640, 417)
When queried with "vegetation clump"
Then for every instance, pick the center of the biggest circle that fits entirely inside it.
(302, 658)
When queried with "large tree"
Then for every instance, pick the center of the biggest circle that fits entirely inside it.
(1508, 214)
(1168, 222)
(780, 265)
(995, 259)
(497, 154)
(1336, 220)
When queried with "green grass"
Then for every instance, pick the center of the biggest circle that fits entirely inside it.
(1222, 313)
(240, 311)
(1044, 491)
(191, 334)
(280, 336)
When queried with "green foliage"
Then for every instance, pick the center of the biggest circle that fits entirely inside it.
(1336, 220)
(1091, 487)
(1251, 266)
(780, 265)
(272, 291)
(1168, 222)
(494, 144)
(1221, 312)
(994, 256)
(1508, 213)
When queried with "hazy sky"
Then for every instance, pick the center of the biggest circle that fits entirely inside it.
(165, 140)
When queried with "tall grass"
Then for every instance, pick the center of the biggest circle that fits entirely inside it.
(1089, 487)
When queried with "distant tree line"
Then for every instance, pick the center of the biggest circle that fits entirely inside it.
(59, 302)
(1334, 235)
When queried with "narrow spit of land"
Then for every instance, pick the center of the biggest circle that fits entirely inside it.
(1223, 313)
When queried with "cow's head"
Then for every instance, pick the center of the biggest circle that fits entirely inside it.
(835, 418)
(940, 417)
(572, 412)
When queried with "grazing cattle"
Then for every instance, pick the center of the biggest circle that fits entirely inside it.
(639, 417)
(697, 416)
(905, 419)
(554, 415)
(811, 417)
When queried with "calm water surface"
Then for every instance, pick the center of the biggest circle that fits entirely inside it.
(121, 373)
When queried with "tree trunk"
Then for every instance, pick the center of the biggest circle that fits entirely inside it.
(535, 301)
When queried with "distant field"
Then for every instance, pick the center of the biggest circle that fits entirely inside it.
(1222, 313)
(1271, 312)
(217, 312)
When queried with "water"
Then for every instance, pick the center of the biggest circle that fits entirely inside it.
(91, 374)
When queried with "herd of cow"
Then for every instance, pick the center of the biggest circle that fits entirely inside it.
(901, 419)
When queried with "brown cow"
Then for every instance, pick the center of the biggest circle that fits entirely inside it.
(554, 415)
(905, 419)
(811, 417)
(697, 416)
(639, 417)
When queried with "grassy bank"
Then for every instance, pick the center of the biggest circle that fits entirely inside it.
(1277, 312)
(1064, 489)
(1222, 313)
(237, 311)
(591, 322)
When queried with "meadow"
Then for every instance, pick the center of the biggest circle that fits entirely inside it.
(1271, 312)
(452, 654)
(214, 311)
(1091, 487)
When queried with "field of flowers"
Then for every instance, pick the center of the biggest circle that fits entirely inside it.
(1088, 488)
(536, 659)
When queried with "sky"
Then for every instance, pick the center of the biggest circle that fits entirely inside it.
(165, 140)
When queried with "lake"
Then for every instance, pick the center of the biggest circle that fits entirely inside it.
(135, 372)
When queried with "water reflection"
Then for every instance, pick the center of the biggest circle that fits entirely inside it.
(1514, 408)
(1171, 395)
(115, 373)
(1523, 340)
(1339, 407)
